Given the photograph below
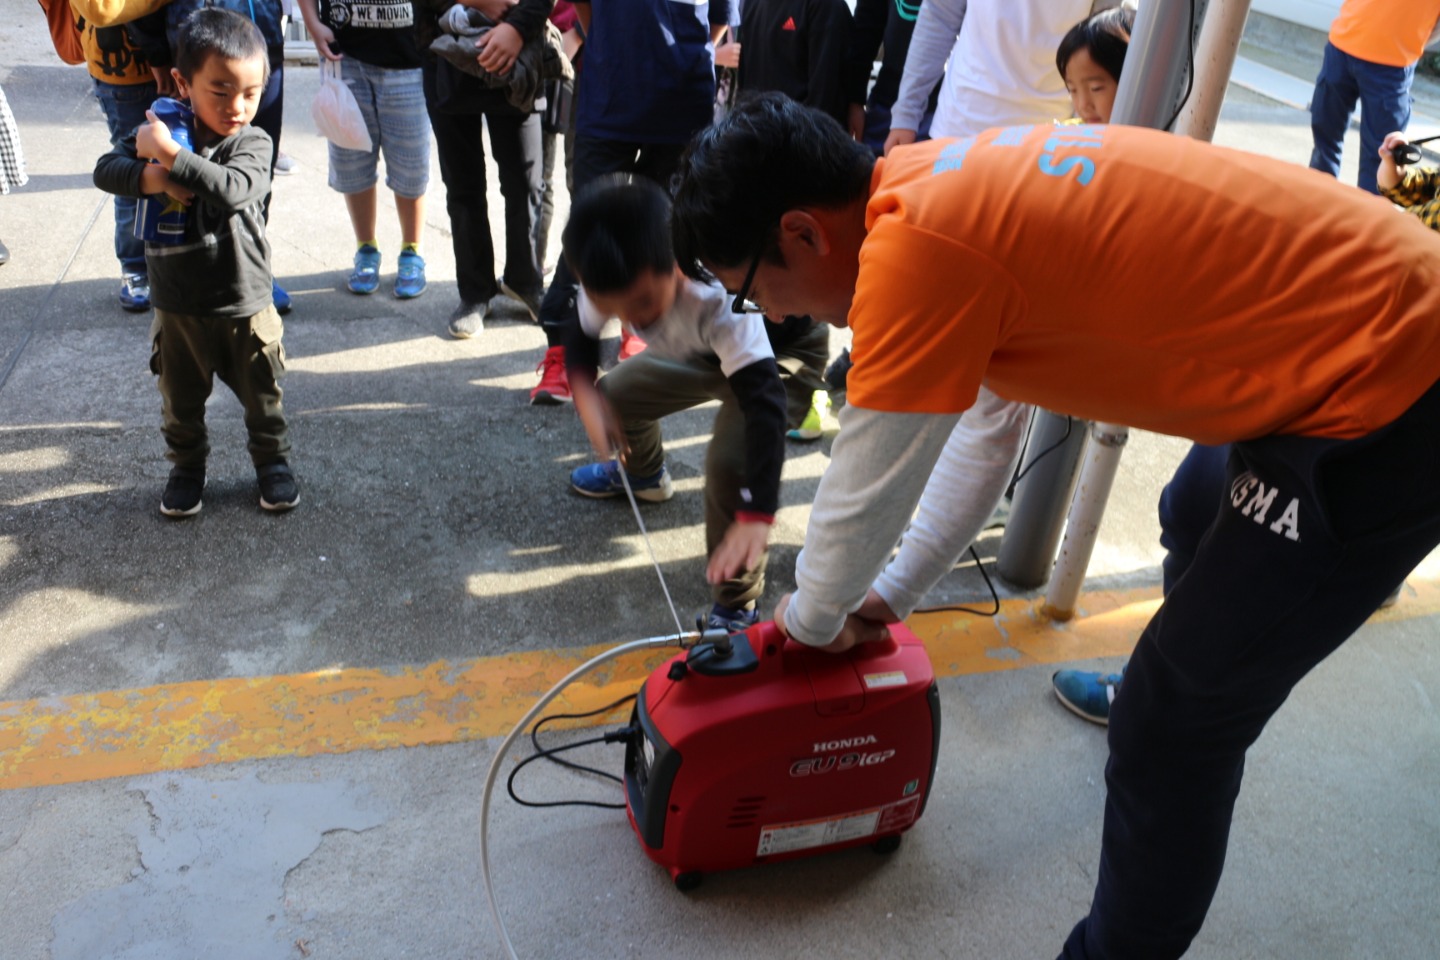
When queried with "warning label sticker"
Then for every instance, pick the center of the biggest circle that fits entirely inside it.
(895, 678)
(807, 834)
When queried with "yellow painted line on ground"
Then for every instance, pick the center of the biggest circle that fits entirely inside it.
(60, 740)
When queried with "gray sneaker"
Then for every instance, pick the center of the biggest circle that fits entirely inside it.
(467, 320)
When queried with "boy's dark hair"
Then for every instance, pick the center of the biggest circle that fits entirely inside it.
(737, 178)
(1105, 36)
(618, 228)
(211, 31)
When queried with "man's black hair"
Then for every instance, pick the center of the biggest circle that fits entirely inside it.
(618, 229)
(1105, 36)
(737, 178)
(213, 32)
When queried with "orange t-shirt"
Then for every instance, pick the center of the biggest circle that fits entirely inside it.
(1390, 32)
(1136, 277)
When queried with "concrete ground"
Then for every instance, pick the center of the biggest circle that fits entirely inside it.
(436, 536)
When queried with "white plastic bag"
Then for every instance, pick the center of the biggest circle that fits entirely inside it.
(336, 114)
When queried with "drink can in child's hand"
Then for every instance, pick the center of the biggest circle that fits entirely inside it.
(162, 219)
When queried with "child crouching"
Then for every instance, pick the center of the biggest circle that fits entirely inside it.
(214, 315)
(617, 242)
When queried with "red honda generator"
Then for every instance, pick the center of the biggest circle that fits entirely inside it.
(758, 748)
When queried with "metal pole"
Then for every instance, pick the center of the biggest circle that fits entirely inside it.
(1151, 89)
(1157, 62)
(1214, 60)
(1037, 515)
(1148, 97)
(1082, 526)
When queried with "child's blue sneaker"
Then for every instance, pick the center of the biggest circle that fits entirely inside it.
(409, 275)
(1088, 695)
(365, 278)
(281, 298)
(134, 292)
(731, 620)
(603, 480)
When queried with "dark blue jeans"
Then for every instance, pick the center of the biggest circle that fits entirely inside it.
(124, 106)
(877, 126)
(1312, 534)
(270, 116)
(1384, 96)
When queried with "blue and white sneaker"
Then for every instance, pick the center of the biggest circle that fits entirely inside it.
(602, 480)
(409, 275)
(281, 298)
(731, 620)
(365, 278)
(134, 292)
(1087, 695)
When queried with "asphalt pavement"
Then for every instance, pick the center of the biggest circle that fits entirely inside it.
(437, 545)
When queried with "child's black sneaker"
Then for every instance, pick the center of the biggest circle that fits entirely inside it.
(182, 492)
(732, 620)
(278, 490)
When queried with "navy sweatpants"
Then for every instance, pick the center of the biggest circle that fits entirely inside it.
(1312, 535)
(1385, 104)
(1188, 506)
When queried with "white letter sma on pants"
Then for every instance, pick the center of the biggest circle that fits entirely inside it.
(1253, 499)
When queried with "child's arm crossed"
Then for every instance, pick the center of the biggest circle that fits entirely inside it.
(124, 174)
(241, 180)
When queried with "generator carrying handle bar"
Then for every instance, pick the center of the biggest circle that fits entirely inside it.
(682, 640)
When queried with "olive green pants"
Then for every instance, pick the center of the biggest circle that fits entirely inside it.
(188, 352)
(645, 388)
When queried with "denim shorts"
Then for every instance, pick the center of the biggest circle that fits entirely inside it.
(393, 104)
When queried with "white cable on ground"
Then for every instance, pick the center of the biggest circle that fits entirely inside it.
(625, 480)
(651, 643)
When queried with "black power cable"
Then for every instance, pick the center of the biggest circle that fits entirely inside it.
(550, 753)
(617, 736)
(994, 594)
(1190, 76)
(1069, 425)
(535, 735)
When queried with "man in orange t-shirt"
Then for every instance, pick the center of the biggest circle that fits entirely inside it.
(1124, 275)
(1370, 57)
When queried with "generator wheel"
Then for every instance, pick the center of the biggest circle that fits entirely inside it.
(886, 845)
(685, 882)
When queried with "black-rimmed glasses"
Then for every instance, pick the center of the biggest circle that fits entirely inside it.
(741, 303)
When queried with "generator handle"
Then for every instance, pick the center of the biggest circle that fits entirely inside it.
(682, 640)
